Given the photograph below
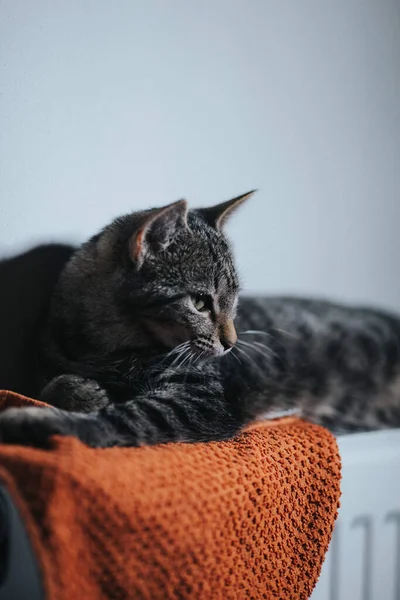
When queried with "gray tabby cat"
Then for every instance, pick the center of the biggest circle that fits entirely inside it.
(146, 343)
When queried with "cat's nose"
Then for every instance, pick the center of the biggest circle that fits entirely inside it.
(228, 335)
(227, 344)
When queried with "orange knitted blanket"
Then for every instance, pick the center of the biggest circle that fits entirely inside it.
(248, 518)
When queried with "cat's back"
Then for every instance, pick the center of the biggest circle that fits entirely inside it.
(310, 329)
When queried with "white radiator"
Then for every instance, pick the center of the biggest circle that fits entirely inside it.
(363, 562)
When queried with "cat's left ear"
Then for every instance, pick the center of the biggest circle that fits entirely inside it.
(216, 216)
(157, 229)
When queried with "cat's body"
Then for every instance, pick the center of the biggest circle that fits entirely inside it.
(140, 345)
(336, 365)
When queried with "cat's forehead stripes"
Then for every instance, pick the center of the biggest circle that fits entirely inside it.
(226, 279)
(226, 285)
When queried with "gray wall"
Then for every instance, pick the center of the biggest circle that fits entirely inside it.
(111, 106)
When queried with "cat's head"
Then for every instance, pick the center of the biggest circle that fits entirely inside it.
(168, 278)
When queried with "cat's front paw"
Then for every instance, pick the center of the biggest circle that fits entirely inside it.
(75, 393)
(31, 426)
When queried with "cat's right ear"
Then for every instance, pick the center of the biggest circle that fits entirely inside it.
(217, 216)
(157, 230)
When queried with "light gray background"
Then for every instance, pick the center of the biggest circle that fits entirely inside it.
(107, 107)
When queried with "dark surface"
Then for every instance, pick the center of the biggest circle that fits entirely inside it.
(26, 283)
(19, 572)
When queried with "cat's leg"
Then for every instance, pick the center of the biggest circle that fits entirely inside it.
(75, 393)
(166, 411)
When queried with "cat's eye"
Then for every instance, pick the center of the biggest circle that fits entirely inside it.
(201, 302)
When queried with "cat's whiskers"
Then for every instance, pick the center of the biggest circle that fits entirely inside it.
(185, 355)
(198, 357)
(258, 344)
(250, 359)
(178, 348)
(181, 350)
(241, 351)
(235, 357)
(187, 359)
(271, 352)
(192, 361)
(254, 332)
(174, 350)
(267, 352)
(288, 333)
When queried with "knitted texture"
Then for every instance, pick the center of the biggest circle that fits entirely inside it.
(248, 518)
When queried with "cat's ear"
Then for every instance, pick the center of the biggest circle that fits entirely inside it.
(157, 230)
(216, 216)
